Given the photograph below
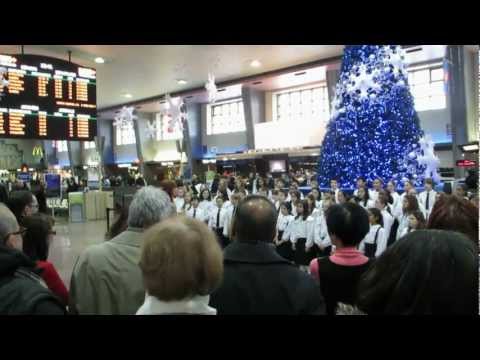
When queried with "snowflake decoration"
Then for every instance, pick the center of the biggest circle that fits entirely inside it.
(125, 119)
(151, 130)
(211, 88)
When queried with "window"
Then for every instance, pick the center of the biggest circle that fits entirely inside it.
(225, 117)
(427, 88)
(304, 104)
(61, 145)
(125, 135)
(162, 122)
(89, 145)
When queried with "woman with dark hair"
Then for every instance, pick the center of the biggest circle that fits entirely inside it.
(440, 277)
(21, 204)
(284, 222)
(36, 242)
(409, 206)
(215, 183)
(169, 187)
(416, 221)
(364, 200)
(300, 233)
(453, 213)
(375, 242)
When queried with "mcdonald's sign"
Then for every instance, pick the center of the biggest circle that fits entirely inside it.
(37, 151)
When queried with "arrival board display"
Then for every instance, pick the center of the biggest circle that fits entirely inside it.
(47, 98)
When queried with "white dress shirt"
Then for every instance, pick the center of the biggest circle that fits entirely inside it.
(196, 305)
(373, 194)
(320, 233)
(206, 206)
(302, 229)
(387, 222)
(283, 221)
(370, 204)
(212, 223)
(402, 225)
(199, 213)
(422, 198)
(179, 204)
(370, 239)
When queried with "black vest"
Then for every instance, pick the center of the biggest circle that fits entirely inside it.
(338, 283)
(371, 249)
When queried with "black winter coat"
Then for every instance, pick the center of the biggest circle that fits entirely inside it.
(258, 281)
(22, 292)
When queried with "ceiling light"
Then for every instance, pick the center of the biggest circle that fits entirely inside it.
(127, 95)
(255, 63)
(181, 82)
(99, 60)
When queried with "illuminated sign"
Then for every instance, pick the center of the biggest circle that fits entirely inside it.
(37, 151)
(47, 98)
(466, 163)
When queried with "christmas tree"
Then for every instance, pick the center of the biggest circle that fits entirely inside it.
(374, 129)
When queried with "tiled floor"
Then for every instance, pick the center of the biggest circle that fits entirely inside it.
(71, 240)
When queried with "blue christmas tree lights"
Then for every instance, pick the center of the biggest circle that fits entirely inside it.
(374, 129)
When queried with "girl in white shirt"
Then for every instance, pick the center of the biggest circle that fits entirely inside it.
(320, 232)
(375, 242)
(387, 218)
(195, 211)
(294, 197)
(312, 206)
(187, 202)
(364, 199)
(179, 199)
(392, 190)
(206, 203)
(416, 221)
(409, 206)
(316, 194)
(301, 231)
(284, 226)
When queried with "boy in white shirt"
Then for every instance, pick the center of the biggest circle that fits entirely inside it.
(427, 198)
(196, 212)
(179, 199)
(217, 220)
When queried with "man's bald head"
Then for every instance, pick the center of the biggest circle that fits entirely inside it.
(255, 220)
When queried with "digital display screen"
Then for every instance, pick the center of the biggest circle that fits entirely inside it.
(277, 166)
(53, 182)
(47, 98)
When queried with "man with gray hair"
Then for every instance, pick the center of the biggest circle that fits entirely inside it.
(107, 279)
(22, 291)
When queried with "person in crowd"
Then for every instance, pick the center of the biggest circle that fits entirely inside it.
(407, 187)
(427, 198)
(334, 188)
(258, 281)
(169, 187)
(474, 200)
(37, 239)
(218, 218)
(461, 191)
(423, 285)
(318, 197)
(300, 234)
(339, 273)
(320, 231)
(21, 203)
(106, 278)
(342, 198)
(179, 198)
(187, 203)
(206, 203)
(215, 183)
(231, 211)
(377, 187)
(387, 219)
(392, 190)
(223, 189)
(375, 243)
(120, 223)
(282, 241)
(294, 197)
(416, 221)
(312, 206)
(456, 214)
(409, 206)
(3, 194)
(181, 264)
(361, 183)
(472, 180)
(363, 198)
(274, 200)
(195, 211)
(22, 290)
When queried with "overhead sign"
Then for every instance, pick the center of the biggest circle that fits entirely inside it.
(466, 163)
(37, 151)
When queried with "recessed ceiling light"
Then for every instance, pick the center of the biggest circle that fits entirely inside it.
(255, 63)
(127, 95)
(181, 82)
(99, 60)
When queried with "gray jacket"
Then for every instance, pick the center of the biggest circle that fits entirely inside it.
(107, 279)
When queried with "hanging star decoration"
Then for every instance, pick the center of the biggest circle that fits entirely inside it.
(428, 159)
(151, 129)
(125, 118)
(3, 81)
(211, 88)
(174, 111)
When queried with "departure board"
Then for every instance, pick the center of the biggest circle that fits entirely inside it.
(47, 98)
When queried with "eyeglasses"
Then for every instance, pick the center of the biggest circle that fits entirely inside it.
(21, 231)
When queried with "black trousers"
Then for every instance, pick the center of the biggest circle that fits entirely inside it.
(222, 240)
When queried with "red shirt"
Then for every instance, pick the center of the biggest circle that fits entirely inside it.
(53, 280)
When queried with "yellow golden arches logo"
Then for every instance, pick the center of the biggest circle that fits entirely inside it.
(37, 151)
